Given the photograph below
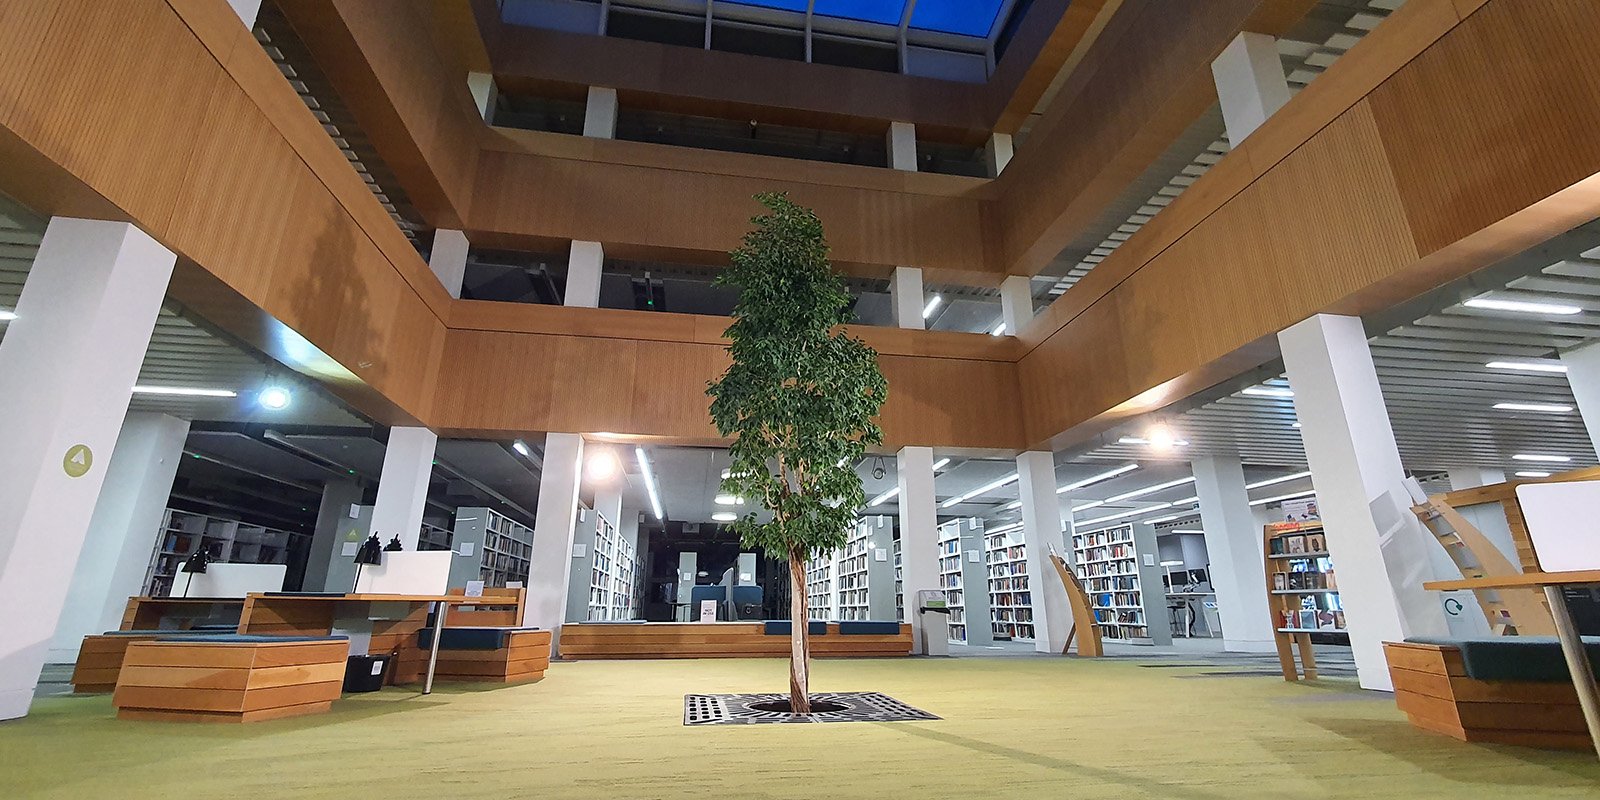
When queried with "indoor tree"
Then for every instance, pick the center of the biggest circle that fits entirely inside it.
(798, 401)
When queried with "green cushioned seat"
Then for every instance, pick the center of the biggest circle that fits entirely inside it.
(1515, 658)
(781, 627)
(869, 628)
(468, 638)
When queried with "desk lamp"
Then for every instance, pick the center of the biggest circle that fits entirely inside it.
(371, 552)
(195, 565)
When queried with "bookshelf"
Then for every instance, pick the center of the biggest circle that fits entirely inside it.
(613, 575)
(228, 540)
(859, 581)
(1010, 596)
(1107, 561)
(961, 564)
(1302, 593)
(819, 586)
(502, 545)
(899, 584)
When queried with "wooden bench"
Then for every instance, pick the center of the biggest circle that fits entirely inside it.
(231, 678)
(100, 657)
(480, 654)
(607, 640)
(1509, 690)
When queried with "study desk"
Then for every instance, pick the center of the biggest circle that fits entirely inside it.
(1566, 632)
(275, 613)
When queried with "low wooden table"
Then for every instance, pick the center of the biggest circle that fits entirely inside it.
(230, 678)
(1571, 643)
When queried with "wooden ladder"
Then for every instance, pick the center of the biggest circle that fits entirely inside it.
(1509, 612)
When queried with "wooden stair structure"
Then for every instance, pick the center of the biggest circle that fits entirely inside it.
(1083, 630)
(1509, 612)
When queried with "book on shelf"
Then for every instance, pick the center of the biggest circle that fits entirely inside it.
(1295, 545)
(1307, 619)
(1316, 543)
(1280, 581)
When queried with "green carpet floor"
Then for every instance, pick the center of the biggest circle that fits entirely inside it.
(1015, 727)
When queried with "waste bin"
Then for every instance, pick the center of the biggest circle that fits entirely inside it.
(365, 673)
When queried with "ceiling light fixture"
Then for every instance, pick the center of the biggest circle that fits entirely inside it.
(940, 464)
(1533, 473)
(274, 398)
(725, 500)
(1546, 365)
(1124, 515)
(1553, 408)
(1281, 479)
(602, 466)
(1003, 528)
(185, 391)
(933, 305)
(724, 516)
(1149, 490)
(1076, 485)
(650, 483)
(1522, 306)
(1268, 391)
(1539, 457)
(999, 330)
(883, 498)
(7, 316)
(1282, 497)
(521, 448)
(988, 487)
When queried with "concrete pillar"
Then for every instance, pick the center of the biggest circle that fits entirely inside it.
(403, 485)
(124, 529)
(68, 362)
(902, 141)
(1233, 543)
(448, 259)
(997, 153)
(484, 93)
(1583, 375)
(337, 515)
(919, 537)
(600, 113)
(584, 266)
(907, 299)
(554, 532)
(1041, 532)
(1016, 303)
(247, 10)
(1251, 84)
(1379, 548)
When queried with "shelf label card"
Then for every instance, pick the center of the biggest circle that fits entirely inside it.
(474, 589)
(465, 549)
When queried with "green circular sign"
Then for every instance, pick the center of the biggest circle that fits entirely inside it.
(77, 461)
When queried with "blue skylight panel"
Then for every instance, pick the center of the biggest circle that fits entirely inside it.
(965, 17)
(783, 5)
(886, 12)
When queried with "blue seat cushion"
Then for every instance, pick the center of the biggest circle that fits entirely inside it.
(468, 638)
(781, 627)
(869, 628)
(190, 632)
(1515, 658)
(251, 638)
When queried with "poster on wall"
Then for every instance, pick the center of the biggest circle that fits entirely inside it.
(1300, 510)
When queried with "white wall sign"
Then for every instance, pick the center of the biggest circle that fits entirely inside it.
(708, 611)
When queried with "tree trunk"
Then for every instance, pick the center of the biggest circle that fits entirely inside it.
(799, 637)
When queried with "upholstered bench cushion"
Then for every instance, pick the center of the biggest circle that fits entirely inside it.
(250, 638)
(468, 638)
(190, 632)
(781, 627)
(869, 628)
(1514, 658)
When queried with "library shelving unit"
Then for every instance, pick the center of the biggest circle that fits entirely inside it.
(613, 582)
(1107, 562)
(433, 537)
(819, 586)
(1010, 597)
(961, 565)
(899, 585)
(851, 576)
(227, 541)
(1302, 593)
(502, 544)
(858, 581)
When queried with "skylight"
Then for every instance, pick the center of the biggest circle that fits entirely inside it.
(961, 17)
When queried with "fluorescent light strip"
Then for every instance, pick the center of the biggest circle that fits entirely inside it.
(1283, 479)
(999, 330)
(933, 305)
(1280, 498)
(1522, 306)
(1554, 408)
(1149, 490)
(650, 484)
(1003, 528)
(958, 499)
(1538, 457)
(1533, 473)
(1267, 391)
(521, 448)
(1122, 470)
(1528, 366)
(184, 391)
(1142, 440)
(883, 498)
(7, 316)
(940, 464)
(1124, 514)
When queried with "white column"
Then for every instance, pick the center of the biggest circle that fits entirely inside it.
(1378, 547)
(448, 259)
(919, 538)
(554, 529)
(997, 153)
(600, 113)
(1583, 375)
(68, 362)
(906, 298)
(403, 486)
(1041, 531)
(1251, 84)
(484, 93)
(123, 531)
(1233, 545)
(583, 274)
(247, 10)
(902, 141)
(1016, 303)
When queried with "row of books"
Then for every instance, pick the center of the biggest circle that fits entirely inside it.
(1292, 581)
(1295, 544)
(1111, 568)
(1102, 553)
(1111, 584)
(1106, 537)
(1311, 619)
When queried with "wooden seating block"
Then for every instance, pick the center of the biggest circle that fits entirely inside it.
(718, 640)
(525, 657)
(1432, 687)
(213, 679)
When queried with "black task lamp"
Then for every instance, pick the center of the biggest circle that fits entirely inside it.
(195, 565)
(371, 552)
(394, 545)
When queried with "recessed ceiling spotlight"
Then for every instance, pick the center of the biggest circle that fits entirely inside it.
(274, 398)
(602, 465)
(1522, 306)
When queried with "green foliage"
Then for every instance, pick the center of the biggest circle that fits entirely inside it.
(800, 397)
